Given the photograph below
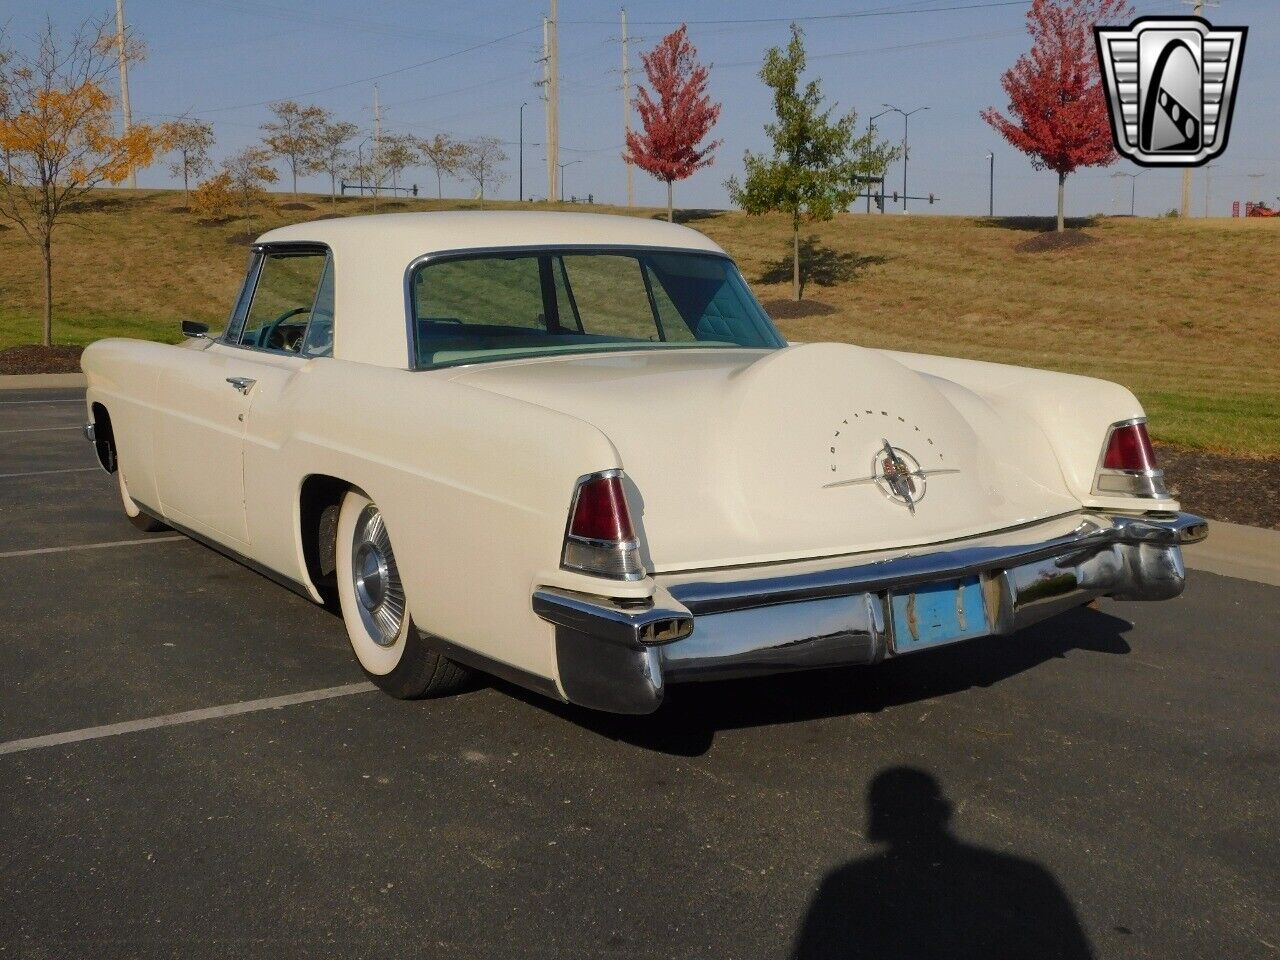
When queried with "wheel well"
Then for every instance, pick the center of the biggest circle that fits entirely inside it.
(319, 501)
(104, 443)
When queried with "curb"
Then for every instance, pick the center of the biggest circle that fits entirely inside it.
(1234, 550)
(41, 381)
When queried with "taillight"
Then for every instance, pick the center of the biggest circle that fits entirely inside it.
(600, 539)
(1128, 466)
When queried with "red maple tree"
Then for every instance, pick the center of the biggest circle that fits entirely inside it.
(678, 120)
(1055, 90)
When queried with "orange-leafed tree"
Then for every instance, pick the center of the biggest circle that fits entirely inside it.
(1055, 90)
(676, 117)
(58, 134)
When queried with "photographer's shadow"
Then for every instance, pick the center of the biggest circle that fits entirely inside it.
(928, 894)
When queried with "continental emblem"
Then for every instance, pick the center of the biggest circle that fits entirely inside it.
(896, 474)
(1170, 85)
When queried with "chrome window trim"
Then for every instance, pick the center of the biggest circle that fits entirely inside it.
(620, 546)
(463, 253)
(1140, 484)
(324, 274)
(261, 251)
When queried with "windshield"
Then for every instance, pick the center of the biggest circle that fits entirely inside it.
(490, 306)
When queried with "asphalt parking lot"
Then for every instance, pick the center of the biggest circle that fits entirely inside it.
(1102, 785)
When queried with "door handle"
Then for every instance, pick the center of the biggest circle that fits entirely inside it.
(243, 384)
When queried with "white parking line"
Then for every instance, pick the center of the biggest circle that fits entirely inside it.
(89, 546)
(188, 716)
(41, 473)
(38, 429)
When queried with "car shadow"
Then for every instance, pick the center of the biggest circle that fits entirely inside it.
(926, 893)
(691, 714)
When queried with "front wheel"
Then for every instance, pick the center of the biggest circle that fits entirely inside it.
(389, 648)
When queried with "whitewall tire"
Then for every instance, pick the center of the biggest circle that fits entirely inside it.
(375, 611)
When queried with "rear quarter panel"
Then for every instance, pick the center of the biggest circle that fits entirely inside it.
(1072, 412)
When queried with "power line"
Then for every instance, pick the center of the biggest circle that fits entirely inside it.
(362, 80)
(857, 15)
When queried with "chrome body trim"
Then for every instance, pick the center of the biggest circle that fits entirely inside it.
(90, 432)
(840, 613)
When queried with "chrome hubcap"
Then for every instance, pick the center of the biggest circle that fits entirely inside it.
(376, 579)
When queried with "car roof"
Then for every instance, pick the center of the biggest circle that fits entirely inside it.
(403, 237)
(371, 256)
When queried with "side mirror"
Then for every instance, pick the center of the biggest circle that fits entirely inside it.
(192, 328)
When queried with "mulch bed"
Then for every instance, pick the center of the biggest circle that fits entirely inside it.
(1222, 487)
(1066, 240)
(793, 309)
(32, 358)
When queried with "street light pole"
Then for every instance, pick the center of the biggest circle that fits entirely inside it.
(1133, 188)
(521, 177)
(568, 163)
(991, 196)
(906, 145)
(871, 129)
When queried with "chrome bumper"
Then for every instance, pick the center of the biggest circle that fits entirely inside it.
(618, 656)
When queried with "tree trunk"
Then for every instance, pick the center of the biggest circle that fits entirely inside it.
(293, 169)
(186, 188)
(1062, 185)
(333, 188)
(439, 185)
(669, 210)
(46, 251)
(795, 261)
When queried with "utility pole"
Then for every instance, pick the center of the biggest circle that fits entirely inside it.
(551, 28)
(626, 106)
(377, 137)
(1207, 168)
(1185, 211)
(124, 84)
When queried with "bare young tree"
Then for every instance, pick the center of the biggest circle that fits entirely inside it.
(332, 153)
(396, 151)
(480, 161)
(444, 154)
(190, 140)
(248, 173)
(58, 133)
(291, 136)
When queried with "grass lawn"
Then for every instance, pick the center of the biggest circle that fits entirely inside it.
(1185, 314)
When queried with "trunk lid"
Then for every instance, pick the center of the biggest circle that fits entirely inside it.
(749, 456)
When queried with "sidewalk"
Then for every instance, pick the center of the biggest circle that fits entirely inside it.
(1249, 553)
(41, 381)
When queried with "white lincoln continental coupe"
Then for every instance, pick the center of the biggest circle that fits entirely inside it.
(573, 451)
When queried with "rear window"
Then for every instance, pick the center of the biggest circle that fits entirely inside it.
(492, 306)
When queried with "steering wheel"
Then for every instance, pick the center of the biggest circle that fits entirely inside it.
(269, 331)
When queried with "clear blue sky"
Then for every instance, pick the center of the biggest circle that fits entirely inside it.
(217, 59)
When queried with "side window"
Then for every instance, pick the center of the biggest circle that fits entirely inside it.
(288, 283)
(318, 341)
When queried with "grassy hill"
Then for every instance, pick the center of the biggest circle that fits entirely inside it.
(1185, 314)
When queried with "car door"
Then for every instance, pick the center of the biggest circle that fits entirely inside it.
(205, 396)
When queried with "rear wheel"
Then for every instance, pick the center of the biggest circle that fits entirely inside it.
(389, 648)
(135, 514)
